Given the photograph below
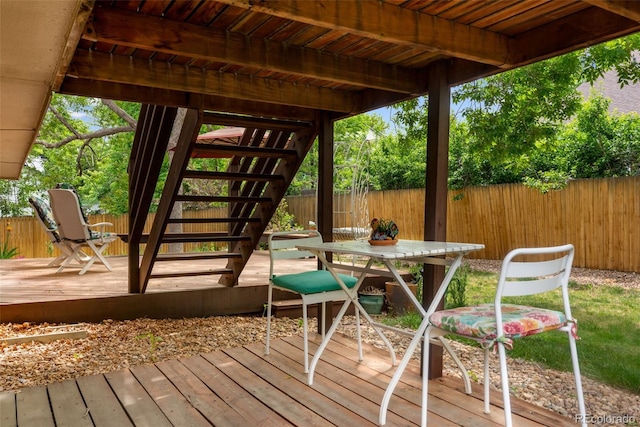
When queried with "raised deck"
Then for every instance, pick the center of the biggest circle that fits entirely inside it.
(31, 291)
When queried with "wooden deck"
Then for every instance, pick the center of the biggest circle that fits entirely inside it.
(31, 291)
(243, 387)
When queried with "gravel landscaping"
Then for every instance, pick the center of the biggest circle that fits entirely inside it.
(113, 345)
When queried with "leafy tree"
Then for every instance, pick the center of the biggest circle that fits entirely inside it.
(599, 145)
(621, 55)
(354, 139)
(398, 164)
(512, 113)
(513, 124)
(85, 142)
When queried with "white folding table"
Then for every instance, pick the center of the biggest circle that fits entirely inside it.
(425, 252)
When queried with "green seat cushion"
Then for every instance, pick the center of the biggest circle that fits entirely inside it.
(312, 282)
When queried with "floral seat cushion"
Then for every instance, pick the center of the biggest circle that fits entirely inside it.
(480, 321)
(44, 212)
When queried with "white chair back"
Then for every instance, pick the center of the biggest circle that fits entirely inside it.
(519, 278)
(66, 210)
(282, 245)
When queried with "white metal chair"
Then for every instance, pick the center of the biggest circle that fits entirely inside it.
(45, 218)
(494, 325)
(76, 231)
(314, 286)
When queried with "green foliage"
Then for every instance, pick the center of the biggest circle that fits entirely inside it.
(455, 296)
(6, 251)
(396, 163)
(153, 343)
(598, 144)
(355, 138)
(96, 167)
(509, 113)
(282, 220)
(619, 55)
(515, 127)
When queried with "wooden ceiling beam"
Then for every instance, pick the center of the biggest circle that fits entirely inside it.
(627, 8)
(147, 95)
(585, 28)
(93, 65)
(387, 22)
(139, 31)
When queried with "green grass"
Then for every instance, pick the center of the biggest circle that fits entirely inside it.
(608, 325)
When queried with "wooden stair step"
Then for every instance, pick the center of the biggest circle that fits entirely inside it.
(232, 176)
(223, 199)
(212, 272)
(193, 256)
(202, 237)
(205, 150)
(211, 220)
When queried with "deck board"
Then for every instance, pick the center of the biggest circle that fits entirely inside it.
(283, 403)
(243, 387)
(228, 396)
(67, 405)
(168, 397)
(102, 404)
(32, 407)
(7, 409)
(140, 406)
(349, 407)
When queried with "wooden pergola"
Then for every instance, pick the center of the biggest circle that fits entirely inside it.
(286, 71)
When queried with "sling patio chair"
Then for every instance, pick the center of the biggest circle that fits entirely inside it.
(45, 218)
(76, 231)
(313, 286)
(497, 324)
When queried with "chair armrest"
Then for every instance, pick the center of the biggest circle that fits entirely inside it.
(101, 234)
(100, 224)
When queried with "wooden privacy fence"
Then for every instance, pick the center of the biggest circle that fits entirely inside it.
(600, 217)
(28, 236)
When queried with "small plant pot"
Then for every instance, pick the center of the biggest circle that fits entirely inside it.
(372, 304)
(397, 300)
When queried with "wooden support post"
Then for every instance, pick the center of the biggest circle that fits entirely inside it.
(325, 194)
(435, 218)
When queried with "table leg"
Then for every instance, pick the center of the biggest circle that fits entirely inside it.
(419, 334)
(352, 298)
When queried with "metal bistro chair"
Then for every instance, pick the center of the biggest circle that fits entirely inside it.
(314, 286)
(74, 229)
(498, 324)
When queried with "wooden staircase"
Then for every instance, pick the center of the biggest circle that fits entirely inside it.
(261, 167)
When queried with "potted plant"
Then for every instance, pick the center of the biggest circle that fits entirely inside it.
(371, 299)
(397, 300)
(383, 232)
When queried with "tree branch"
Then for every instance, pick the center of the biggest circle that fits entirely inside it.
(120, 112)
(97, 134)
(64, 121)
